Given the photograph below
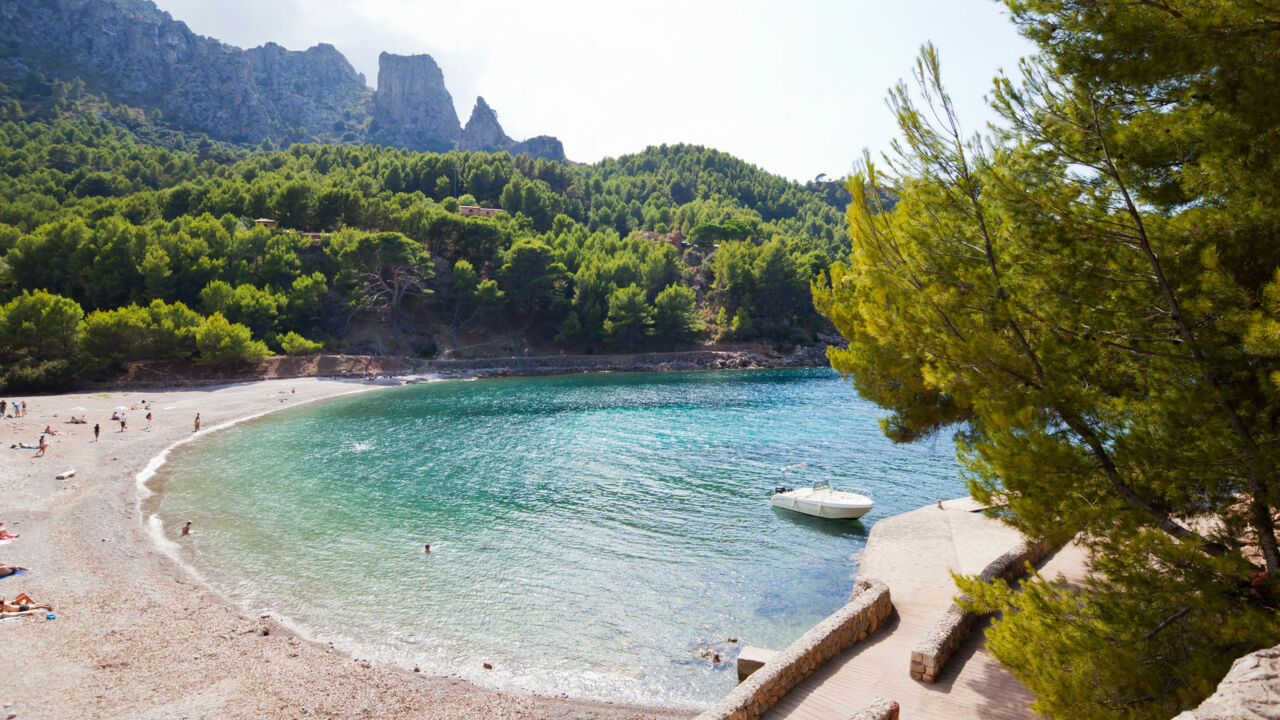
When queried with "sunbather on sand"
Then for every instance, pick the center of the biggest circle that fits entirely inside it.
(22, 603)
(7, 570)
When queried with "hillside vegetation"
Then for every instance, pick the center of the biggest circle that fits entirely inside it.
(123, 240)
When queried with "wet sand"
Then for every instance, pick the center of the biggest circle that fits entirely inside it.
(137, 636)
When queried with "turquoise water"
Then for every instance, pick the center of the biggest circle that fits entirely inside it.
(591, 535)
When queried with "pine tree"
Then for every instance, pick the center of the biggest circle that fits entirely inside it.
(1089, 297)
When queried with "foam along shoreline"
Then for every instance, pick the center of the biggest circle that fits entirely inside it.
(137, 634)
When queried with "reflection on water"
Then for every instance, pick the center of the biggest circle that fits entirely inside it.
(601, 536)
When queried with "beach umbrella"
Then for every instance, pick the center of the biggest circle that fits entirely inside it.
(119, 408)
(77, 410)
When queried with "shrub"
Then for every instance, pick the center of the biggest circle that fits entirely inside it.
(295, 344)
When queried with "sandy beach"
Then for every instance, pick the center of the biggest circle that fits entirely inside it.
(136, 635)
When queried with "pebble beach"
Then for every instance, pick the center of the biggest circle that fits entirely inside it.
(138, 636)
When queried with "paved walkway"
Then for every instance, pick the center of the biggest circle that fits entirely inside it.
(914, 553)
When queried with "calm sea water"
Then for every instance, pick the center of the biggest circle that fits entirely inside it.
(591, 535)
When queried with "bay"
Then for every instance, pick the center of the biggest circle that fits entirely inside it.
(601, 536)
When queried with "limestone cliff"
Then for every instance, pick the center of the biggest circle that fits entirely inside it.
(138, 55)
(412, 108)
(543, 146)
(485, 134)
(315, 89)
(483, 131)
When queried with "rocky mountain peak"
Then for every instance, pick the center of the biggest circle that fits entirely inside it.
(412, 108)
(483, 131)
(139, 55)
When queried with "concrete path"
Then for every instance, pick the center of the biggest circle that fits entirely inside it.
(914, 554)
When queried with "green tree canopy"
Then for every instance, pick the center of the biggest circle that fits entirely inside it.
(630, 317)
(225, 343)
(40, 326)
(531, 275)
(1078, 303)
(675, 316)
(387, 267)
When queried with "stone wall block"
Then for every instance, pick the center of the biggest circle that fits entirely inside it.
(867, 609)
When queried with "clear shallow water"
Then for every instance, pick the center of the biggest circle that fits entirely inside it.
(590, 534)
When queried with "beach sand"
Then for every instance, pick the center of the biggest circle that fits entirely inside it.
(137, 636)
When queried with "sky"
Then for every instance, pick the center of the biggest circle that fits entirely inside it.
(794, 87)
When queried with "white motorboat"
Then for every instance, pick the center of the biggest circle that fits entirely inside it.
(822, 500)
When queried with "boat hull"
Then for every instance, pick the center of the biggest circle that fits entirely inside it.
(851, 507)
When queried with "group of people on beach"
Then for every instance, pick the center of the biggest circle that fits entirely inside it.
(22, 603)
(19, 408)
(42, 445)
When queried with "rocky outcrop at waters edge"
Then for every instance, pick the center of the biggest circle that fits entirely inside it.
(140, 56)
(637, 362)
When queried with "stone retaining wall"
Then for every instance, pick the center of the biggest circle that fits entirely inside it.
(866, 611)
(932, 653)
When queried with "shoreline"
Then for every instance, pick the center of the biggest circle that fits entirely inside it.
(153, 376)
(138, 633)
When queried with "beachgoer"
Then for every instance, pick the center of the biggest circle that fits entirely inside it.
(5, 534)
(24, 407)
(42, 447)
(186, 529)
(22, 603)
(197, 423)
(148, 427)
(940, 505)
(96, 429)
(427, 549)
(7, 570)
(122, 423)
(3, 405)
(293, 390)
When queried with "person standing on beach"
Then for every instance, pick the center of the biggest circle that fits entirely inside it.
(96, 429)
(197, 423)
(148, 427)
(24, 407)
(2, 407)
(41, 447)
(121, 422)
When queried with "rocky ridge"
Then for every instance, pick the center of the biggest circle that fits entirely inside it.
(483, 131)
(138, 55)
(412, 108)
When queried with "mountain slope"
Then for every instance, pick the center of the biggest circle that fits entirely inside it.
(140, 56)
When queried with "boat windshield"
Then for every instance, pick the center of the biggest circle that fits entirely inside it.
(821, 485)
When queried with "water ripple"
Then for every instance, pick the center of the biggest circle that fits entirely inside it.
(590, 534)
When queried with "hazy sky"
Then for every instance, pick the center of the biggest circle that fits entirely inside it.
(795, 87)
